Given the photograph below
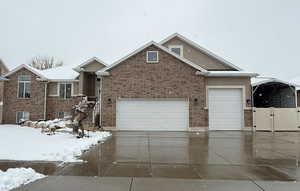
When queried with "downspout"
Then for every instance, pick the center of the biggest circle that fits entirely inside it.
(45, 100)
(100, 105)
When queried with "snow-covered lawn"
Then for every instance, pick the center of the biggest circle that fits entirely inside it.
(25, 143)
(15, 177)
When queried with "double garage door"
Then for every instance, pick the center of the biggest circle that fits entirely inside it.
(155, 115)
(225, 112)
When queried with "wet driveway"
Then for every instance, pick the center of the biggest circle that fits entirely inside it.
(208, 155)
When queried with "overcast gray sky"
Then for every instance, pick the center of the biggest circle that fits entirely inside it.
(258, 35)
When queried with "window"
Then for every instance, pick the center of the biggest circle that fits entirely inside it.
(152, 56)
(62, 115)
(24, 86)
(22, 116)
(65, 90)
(177, 49)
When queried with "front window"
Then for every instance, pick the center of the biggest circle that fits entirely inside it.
(152, 56)
(65, 90)
(22, 116)
(24, 86)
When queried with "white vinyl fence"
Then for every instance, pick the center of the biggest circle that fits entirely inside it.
(276, 119)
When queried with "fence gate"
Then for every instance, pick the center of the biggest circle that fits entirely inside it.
(276, 119)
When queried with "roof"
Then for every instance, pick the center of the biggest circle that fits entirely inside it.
(60, 73)
(231, 74)
(202, 49)
(2, 79)
(53, 74)
(102, 71)
(78, 68)
(264, 80)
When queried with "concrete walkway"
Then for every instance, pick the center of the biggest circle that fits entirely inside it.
(80, 183)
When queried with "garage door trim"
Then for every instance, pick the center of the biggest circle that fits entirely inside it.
(118, 100)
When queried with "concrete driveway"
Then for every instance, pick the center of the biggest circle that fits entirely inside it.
(223, 155)
(213, 155)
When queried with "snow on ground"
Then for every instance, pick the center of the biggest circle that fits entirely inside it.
(25, 143)
(15, 177)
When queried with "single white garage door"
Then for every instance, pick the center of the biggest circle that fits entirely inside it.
(152, 115)
(225, 109)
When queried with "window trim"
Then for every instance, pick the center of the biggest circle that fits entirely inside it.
(25, 82)
(22, 114)
(58, 89)
(148, 58)
(176, 46)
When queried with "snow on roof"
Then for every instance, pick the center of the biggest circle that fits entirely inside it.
(263, 80)
(59, 73)
(231, 73)
(2, 78)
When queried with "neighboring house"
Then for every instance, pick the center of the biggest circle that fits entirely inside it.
(46, 94)
(3, 70)
(174, 85)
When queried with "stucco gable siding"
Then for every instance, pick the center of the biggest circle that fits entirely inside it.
(196, 56)
(94, 66)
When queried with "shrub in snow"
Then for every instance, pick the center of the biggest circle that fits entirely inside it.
(15, 177)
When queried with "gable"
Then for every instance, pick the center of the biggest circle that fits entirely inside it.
(166, 75)
(198, 56)
(93, 66)
(157, 47)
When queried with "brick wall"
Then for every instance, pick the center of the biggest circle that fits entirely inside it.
(170, 78)
(13, 104)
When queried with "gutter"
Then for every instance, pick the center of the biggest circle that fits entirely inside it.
(225, 74)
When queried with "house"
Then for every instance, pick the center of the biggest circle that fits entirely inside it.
(273, 92)
(174, 85)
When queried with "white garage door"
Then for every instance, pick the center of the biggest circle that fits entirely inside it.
(155, 115)
(225, 109)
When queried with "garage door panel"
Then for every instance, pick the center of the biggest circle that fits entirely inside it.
(164, 115)
(225, 109)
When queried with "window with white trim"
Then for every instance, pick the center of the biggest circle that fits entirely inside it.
(24, 82)
(65, 90)
(177, 49)
(22, 116)
(62, 115)
(152, 57)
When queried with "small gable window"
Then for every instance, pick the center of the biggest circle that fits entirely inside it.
(152, 57)
(177, 49)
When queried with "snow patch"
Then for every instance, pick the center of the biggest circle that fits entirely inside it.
(25, 143)
(15, 177)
